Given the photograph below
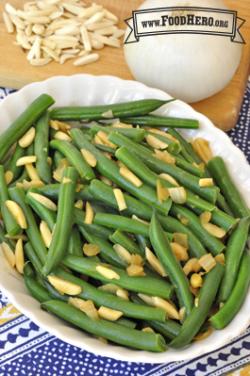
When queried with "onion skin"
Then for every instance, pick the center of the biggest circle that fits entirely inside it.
(187, 66)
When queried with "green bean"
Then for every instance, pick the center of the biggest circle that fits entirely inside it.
(79, 216)
(11, 164)
(75, 243)
(169, 329)
(64, 220)
(44, 213)
(220, 218)
(41, 148)
(52, 191)
(23, 122)
(122, 223)
(187, 148)
(213, 244)
(105, 148)
(57, 158)
(33, 258)
(104, 193)
(234, 251)
(127, 323)
(107, 252)
(143, 242)
(199, 313)
(12, 227)
(119, 110)
(144, 284)
(110, 169)
(4, 239)
(162, 122)
(118, 237)
(23, 176)
(186, 179)
(220, 173)
(135, 134)
(141, 170)
(18, 195)
(35, 289)
(74, 157)
(102, 298)
(237, 297)
(173, 268)
(223, 205)
(106, 329)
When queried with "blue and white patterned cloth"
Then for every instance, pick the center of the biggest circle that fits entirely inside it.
(26, 349)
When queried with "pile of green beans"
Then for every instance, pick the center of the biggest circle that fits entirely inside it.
(96, 211)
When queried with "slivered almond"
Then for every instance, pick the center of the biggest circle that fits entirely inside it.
(91, 249)
(206, 182)
(86, 306)
(27, 139)
(66, 180)
(8, 23)
(202, 148)
(64, 286)
(146, 298)
(45, 201)
(182, 313)
(169, 178)
(106, 180)
(205, 217)
(123, 253)
(58, 172)
(147, 329)
(167, 306)
(104, 138)
(214, 230)
(29, 184)
(179, 251)
(109, 314)
(79, 204)
(88, 59)
(181, 239)
(107, 272)
(155, 143)
(135, 270)
(183, 219)
(26, 160)
(162, 192)
(192, 265)
(136, 259)
(154, 262)
(32, 172)
(8, 177)
(19, 256)
(164, 156)
(203, 335)
(108, 114)
(16, 237)
(17, 213)
(178, 195)
(196, 280)
(120, 199)
(130, 176)
(118, 124)
(109, 287)
(139, 219)
(59, 135)
(40, 62)
(89, 157)
(60, 125)
(89, 214)
(8, 254)
(123, 294)
(45, 233)
(220, 258)
(207, 262)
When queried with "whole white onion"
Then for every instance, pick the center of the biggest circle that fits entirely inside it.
(190, 67)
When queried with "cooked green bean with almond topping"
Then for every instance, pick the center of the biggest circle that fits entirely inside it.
(123, 229)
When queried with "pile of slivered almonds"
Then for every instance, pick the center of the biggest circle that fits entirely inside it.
(60, 30)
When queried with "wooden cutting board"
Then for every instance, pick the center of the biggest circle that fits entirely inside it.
(222, 109)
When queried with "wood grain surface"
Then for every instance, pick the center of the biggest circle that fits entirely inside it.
(222, 109)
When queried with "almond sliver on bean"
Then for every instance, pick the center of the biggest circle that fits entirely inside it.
(207, 262)
(178, 195)
(154, 262)
(26, 160)
(169, 178)
(86, 306)
(45, 201)
(45, 233)
(89, 215)
(91, 249)
(167, 306)
(32, 172)
(64, 286)
(214, 230)
(123, 253)
(17, 213)
(120, 199)
(89, 157)
(27, 139)
(155, 143)
(8, 254)
(19, 256)
(109, 314)
(205, 217)
(130, 176)
(206, 182)
(8, 176)
(106, 272)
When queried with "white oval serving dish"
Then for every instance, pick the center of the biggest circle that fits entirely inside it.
(90, 90)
